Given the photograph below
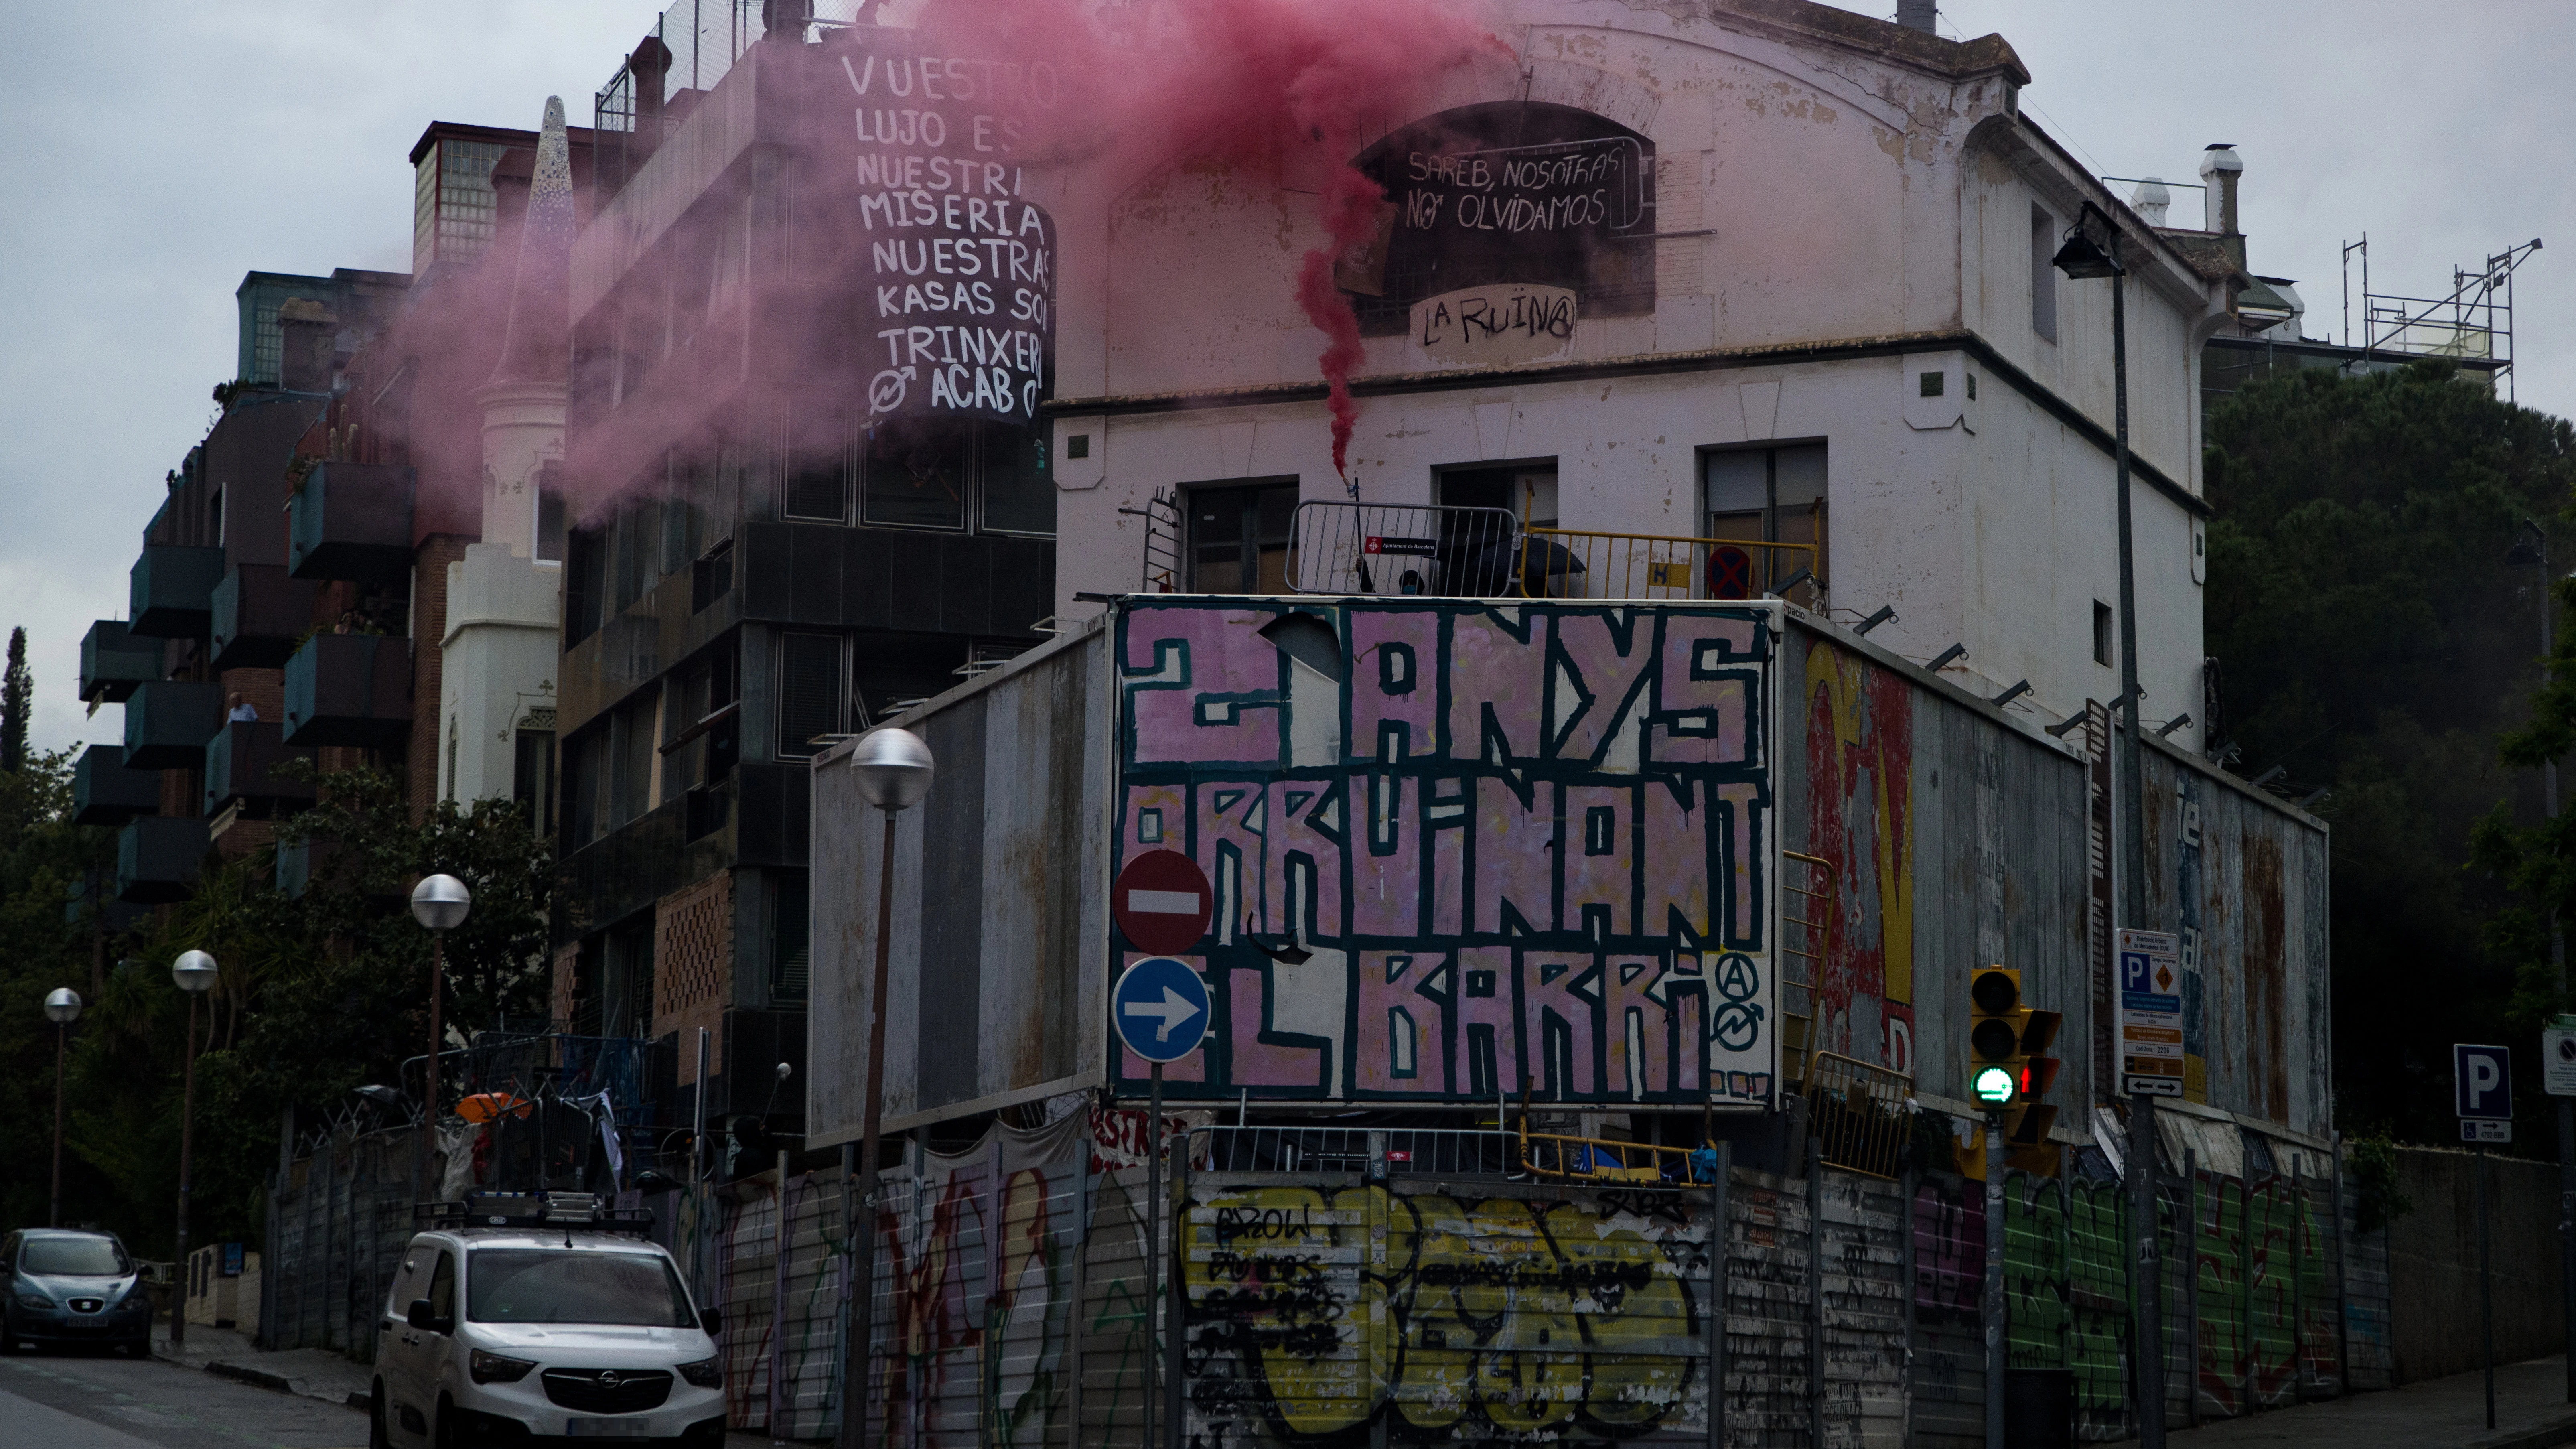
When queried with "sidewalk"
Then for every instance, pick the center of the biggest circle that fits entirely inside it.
(2532, 1412)
(313, 1373)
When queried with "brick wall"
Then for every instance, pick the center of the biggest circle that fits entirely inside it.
(693, 968)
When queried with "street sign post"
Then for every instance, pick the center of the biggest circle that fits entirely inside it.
(1162, 903)
(2150, 1034)
(1159, 1010)
(2482, 1090)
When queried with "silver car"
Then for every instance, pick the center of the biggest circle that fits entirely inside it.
(497, 1334)
(69, 1286)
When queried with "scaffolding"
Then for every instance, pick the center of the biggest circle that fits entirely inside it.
(2473, 325)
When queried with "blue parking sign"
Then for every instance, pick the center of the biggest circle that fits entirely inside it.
(2482, 1082)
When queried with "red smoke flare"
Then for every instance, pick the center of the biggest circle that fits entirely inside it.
(1248, 80)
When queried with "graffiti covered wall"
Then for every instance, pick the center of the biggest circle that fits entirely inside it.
(1461, 851)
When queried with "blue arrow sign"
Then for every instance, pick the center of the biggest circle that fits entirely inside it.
(1159, 1009)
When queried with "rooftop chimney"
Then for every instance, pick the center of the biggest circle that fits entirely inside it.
(306, 329)
(2220, 167)
(2151, 198)
(1922, 15)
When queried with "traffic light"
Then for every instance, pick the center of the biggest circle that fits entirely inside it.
(2026, 1144)
(1994, 1037)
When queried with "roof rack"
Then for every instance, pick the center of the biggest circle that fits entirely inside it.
(566, 1210)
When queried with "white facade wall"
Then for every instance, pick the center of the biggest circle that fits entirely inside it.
(503, 631)
(1837, 217)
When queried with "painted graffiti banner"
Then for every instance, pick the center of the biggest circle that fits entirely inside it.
(1460, 851)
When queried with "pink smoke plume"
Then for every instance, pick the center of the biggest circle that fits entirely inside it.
(1249, 80)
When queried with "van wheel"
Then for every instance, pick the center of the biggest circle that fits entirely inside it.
(377, 1438)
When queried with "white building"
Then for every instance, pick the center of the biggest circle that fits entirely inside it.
(1804, 294)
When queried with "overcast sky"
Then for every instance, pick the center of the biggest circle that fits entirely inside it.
(153, 151)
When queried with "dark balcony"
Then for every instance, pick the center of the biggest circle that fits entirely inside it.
(158, 857)
(81, 900)
(105, 792)
(171, 589)
(348, 689)
(241, 765)
(113, 661)
(351, 521)
(168, 722)
(260, 611)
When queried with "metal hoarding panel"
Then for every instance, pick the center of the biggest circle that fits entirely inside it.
(1463, 850)
(995, 981)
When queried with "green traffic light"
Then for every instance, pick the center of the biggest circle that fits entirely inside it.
(1995, 1084)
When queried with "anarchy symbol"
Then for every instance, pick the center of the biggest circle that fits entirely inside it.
(885, 391)
(1738, 1026)
(1737, 977)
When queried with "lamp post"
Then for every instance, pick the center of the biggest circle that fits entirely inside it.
(893, 767)
(2092, 250)
(195, 973)
(439, 903)
(2532, 548)
(62, 1008)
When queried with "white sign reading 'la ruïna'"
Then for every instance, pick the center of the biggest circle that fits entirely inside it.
(958, 276)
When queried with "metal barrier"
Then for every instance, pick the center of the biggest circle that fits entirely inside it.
(1163, 534)
(1857, 1113)
(1375, 1151)
(1627, 1164)
(1399, 548)
(1563, 563)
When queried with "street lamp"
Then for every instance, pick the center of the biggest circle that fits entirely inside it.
(2091, 252)
(893, 768)
(62, 1008)
(195, 974)
(439, 903)
(2531, 547)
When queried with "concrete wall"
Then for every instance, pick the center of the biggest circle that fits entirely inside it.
(2434, 1326)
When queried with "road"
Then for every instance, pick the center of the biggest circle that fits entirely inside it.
(53, 1400)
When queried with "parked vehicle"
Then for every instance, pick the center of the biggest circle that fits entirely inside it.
(539, 1315)
(70, 1286)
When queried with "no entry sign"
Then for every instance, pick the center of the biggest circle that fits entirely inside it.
(1162, 902)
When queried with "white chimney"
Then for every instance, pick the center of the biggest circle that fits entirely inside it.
(2150, 199)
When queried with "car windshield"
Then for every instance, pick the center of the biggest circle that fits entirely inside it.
(545, 1285)
(73, 1257)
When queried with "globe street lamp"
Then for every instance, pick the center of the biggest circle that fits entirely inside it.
(893, 767)
(62, 1008)
(195, 973)
(439, 903)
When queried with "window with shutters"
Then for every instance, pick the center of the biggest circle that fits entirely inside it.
(790, 955)
(810, 692)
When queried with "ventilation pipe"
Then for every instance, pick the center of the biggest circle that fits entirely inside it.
(2150, 199)
(2219, 168)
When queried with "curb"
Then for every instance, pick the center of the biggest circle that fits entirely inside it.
(224, 1368)
(2544, 1435)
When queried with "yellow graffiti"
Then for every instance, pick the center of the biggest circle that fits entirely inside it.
(1312, 1312)
(1842, 678)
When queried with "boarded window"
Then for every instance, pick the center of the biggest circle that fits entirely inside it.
(2043, 274)
(1239, 537)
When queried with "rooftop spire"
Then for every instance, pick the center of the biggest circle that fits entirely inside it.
(534, 349)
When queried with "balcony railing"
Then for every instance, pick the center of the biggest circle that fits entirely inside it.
(168, 722)
(241, 767)
(105, 792)
(351, 521)
(114, 660)
(171, 590)
(260, 611)
(158, 857)
(1479, 553)
(348, 689)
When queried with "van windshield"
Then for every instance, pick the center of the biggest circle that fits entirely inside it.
(73, 1258)
(547, 1285)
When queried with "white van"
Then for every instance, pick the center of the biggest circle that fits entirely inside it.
(535, 1317)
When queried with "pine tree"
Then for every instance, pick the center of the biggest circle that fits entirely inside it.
(17, 698)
